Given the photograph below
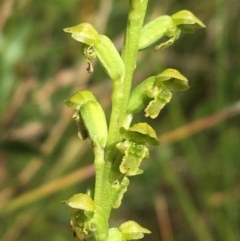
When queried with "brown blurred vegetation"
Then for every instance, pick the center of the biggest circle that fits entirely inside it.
(190, 188)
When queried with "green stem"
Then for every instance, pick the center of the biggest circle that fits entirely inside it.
(99, 171)
(122, 88)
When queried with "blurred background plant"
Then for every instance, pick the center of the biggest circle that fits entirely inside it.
(190, 188)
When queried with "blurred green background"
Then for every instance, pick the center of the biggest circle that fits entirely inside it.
(190, 189)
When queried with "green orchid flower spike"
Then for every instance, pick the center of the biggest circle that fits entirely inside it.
(120, 146)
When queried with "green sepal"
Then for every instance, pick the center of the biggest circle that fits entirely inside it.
(141, 133)
(84, 33)
(139, 99)
(186, 21)
(132, 230)
(172, 79)
(81, 201)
